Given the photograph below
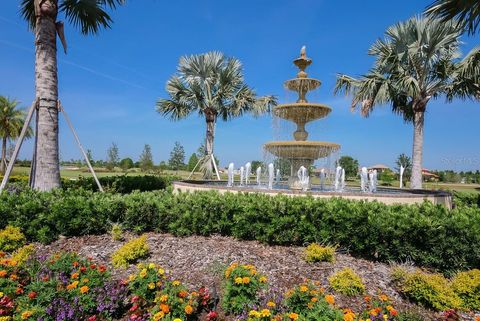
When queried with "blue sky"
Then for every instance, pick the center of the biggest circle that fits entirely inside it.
(109, 83)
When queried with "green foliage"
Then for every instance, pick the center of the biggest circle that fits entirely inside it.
(145, 283)
(241, 287)
(177, 157)
(347, 282)
(429, 289)
(130, 252)
(112, 156)
(122, 184)
(11, 238)
(146, 158)
(350, 165)
(192, 162)
(318, 253)
(117, 232)
(22, 254)
(406, 162)
(466, 199)
(126, 163)
(427, 234)
(467, 286)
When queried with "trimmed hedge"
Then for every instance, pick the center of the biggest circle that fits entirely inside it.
(429, 235)
(466, 199)
(121, 184)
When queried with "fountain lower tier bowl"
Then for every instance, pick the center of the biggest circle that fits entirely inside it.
(301, 150)
(301, 112)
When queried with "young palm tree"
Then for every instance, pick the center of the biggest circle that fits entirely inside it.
(90, 17)
(418, 60)
(465, 11)
(213, 86)
(11, 123)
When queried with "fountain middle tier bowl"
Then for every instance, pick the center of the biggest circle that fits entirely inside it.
(301, 150)
(301, 112)
(302, 84)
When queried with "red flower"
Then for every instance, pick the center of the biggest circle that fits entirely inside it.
(212, 315)
(32, 295)
(93, 266)
(19, 291)
(83, 269)
(135, 298)
(92, 318)
(102, 268)
(135, 307)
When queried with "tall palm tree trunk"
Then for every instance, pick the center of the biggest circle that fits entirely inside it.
(4, 155)
(47, 167)
(210, 118)
(417, 154)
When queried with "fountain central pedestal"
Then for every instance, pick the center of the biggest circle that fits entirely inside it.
(301, 152)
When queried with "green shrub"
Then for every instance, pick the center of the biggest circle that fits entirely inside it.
(117, 232)
(130, 252)
(122, 183)
(317, 253)
(467, 286)
(428, 289)
(466, 199)
(241, 287)
(426, 234)
(11, 238)
(347, 282)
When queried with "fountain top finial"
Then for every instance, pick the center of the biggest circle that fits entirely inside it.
(302, 63)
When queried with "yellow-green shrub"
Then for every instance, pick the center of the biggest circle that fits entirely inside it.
(11, 238)
(467, 286)
(429, 289)
(317, 253)
(116, 232)
(130, 252)
(23, 254)
(347, 282)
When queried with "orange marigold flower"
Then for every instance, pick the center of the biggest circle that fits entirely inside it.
(74, 276)
(383, 297)
(13, 277)
(330, 299)
(303, 288)
(19, 291)
(27, 314)
(309, 305)
(182, 294)
(314, 299)
(246, 280)
(102, 268)
(84, 289)
(32, 295)
(165, 308)
(188, 309)
(293, 316)
(75, 264)
(394, 313)
(367, 298)
(3, 273)
(72, 285)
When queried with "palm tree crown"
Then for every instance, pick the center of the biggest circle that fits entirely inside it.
(89, 16)
(418, 60)
(212, 85)
(466, 12)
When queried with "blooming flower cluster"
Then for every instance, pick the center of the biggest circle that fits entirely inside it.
(155, 297)
(64, 287)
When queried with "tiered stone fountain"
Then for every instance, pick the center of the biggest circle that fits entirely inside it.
(301, 152)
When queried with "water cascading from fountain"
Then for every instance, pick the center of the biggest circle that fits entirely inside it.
(342, 180)
(242, 175)
(402, 169)
(373, 181)
(301, 152)
(364, 179)
(230, 175)
(248, 172)
(322, 179)
(303, 178)
(271, 175)
(259, 175)
(338, 174)
(278, 177)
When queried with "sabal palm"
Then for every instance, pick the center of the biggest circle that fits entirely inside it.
(465, 11)
(89, 16)
(11, 123)
(416, 61)
(213, 86)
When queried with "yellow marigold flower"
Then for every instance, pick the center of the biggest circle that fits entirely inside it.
(262, 279)
(330, 299)
(188, 309)
(309, 305)
(246, 280)
(161, 271)
(293, 316)
(151, 285)
(290, 292)
(373, 312)
(151, 266)
(254, 314)
(389, 307)
(176, 283)
(238, 280)
(85, 280)
(271, 304)
(72, 285)
(314, 299)
(132, 277)
(383, 297)
(385, 317)
(1, 294)
(177, 319)
(314, 292)
(26, 314)
(143, 273)
(349, 317)
(157, 316)
(84, 289)
(265, 313)
(163, 298)
(303, 288)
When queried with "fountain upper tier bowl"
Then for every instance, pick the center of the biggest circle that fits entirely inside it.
(301, 112)
(301, 149)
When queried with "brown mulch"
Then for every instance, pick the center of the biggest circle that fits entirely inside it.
(200, 261)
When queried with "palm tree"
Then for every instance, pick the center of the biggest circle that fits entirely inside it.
(89, 17)
(418, 60)
(11, 123)
(213, 86)
(466, 11)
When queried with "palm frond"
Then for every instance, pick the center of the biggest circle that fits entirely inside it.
(87, 15)
(467, 12)
(27, 11)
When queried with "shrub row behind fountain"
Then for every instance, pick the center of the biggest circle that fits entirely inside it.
(429, 235)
